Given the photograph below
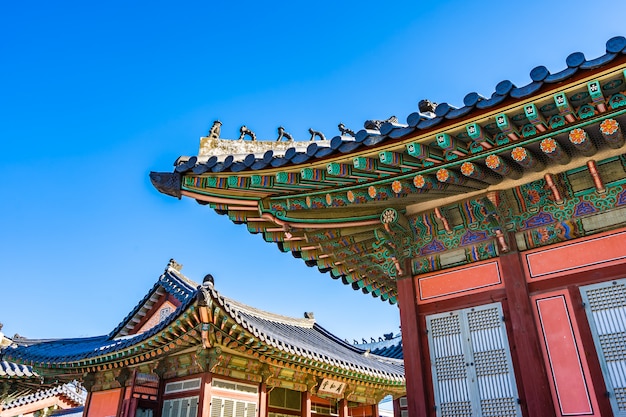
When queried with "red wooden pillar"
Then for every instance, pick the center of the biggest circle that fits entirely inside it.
(526, 345)
(87, 403)
(306, 404)
(204, 404)
(263, 400)
(411, 345)
(343, 408)
(375, 410)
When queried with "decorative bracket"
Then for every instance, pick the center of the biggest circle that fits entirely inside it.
(208, 359)
(159, 368)
(123, 376)
(89, 380)
(394, 240)
(495, 221)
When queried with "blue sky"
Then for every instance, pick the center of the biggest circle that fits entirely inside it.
(95, 95)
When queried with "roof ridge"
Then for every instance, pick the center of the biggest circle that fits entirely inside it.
(183, 290)
(267, 315)
(240, 154)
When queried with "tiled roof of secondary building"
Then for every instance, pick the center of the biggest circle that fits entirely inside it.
(270, 333)
(76, 349)
(171, 282)
(69, 412)
(377, 131)
(10, 370)
(389, 347)
(19, 379)
(305, 338)
(70, 392)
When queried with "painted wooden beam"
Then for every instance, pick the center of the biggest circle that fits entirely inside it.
(348, 171)
(479, 136)
(581, 141)
(597, 98)
(373, 165)
(535, 117)
(398, 159)
(453, 148)
(476, 172)
(500, 166)
(507, 127)
(427, 154)
(553, 150)
(527, 159)
(565, 109)
(612, 133)
(452, 177)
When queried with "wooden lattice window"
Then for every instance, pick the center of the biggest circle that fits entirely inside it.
(471, 363)
(180, 407)
(227, 407)
(605, 305)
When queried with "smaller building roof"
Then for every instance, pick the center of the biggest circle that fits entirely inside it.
(70, 392)
(10, 370)
(272, 336)
(389, 347)
(69, 412)
(17, 380)
(75, 349)
(303, 337)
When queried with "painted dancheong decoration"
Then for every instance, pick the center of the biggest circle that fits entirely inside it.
(484, 190)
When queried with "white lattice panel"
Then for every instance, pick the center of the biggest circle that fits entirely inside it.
(472, 371)
(606, 310)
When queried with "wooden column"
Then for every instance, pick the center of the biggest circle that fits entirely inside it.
(204, 404)
(397, 412)
(375, 410)
(343, 408)
(263, 400)
(87, 404)
(535, 388)
(306, 404)
(411, 344)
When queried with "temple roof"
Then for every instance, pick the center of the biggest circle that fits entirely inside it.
(171, 282)
(304, 338)
(299, 340)
(367, 206)
(71, 350)
(240, 155)
(70, 392)
(9, 370)
(390, 347)
(17, 380)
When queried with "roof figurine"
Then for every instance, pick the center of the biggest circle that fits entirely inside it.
(316, 134)
(214, 132)
(344, 131)
(282, 134)
(246, 132)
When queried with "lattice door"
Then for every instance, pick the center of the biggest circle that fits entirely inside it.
(225, 407)
(180, 407)
(471, 361)
(605, 305)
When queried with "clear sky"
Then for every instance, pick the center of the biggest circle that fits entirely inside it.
(95, 95)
